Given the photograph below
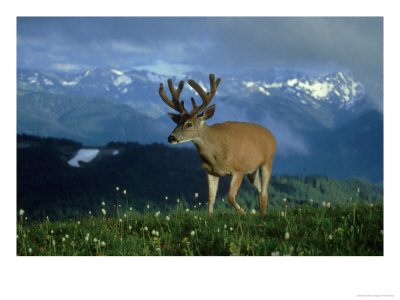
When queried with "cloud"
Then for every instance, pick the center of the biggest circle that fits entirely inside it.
(224, 44)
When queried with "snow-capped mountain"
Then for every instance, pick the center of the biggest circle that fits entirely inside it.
(139, 89)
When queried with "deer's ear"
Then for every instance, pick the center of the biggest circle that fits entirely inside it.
(208, 113)
(176, 118)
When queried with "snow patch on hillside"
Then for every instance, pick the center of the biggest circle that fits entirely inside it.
(85, 155)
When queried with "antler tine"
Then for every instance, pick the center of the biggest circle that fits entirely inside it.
(205, 97)
(175, 93)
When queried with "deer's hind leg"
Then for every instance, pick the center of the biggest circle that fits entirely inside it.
(265, 175)
(255, 179)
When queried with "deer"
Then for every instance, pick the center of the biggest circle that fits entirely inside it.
(226, 149)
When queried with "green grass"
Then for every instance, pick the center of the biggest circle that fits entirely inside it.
(346, 229)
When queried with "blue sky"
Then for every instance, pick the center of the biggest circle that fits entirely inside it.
(227, 44)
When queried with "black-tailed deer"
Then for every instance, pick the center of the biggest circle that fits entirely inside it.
(229, 148)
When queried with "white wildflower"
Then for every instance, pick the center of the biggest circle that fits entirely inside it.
(187, 209)
(328, 205)
(30, 250)
(330, 237)
(192, 233)
(130, 208)
(323, 203)
(166, 198)
(78, 222)
(146, 228)
(225, 226)
(103, 244)
(157, 214)
(253, 211)
(167, 218)
(282, 213)
(103, 211)
(177, 200)
(284, 199)
(230, 228)
(103, 203)
(53, 242)
(130, 227)
(287, 235)
(148, 206)
(21, 212)
(117, 188)
(275, 253)
(124, 192)
(196, 195)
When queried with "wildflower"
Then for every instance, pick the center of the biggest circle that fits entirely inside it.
(225, 226)
(282, 213)
(130, 208)
(53, 242)
(371, 205)
(330, 237)
(253, 211)
(158, 249)
(124, 215)
(200, 218)
(287, 235)
(195, 217)
(177, 200)
(195, 207)
(222, 200)
(275, 253)
(167, 218)
(185, 239)
(103, 211)
(284, 199)
(311, 200)
(146, 228)
(21, 212)
(230, 228)
(120, 220)
(328, 205)
(148, 206)
(381, 232)
(103, 203)
(187, 209)
(30, 250)
(117, 188)
(358, 190)
(87, 237)
(130, 227)
(47, 218)
(218, 230)
(103, 244)
(95, 240)
(78, 222)
(124, 192)
(196, 195)
(166, 198)
(63, 239)
(157, 214)
(199, 203)
(90, 212)
(192, 233)
(52, 231)
(323, 203)
(66, 236)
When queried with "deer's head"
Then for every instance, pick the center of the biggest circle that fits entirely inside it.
(189, 124)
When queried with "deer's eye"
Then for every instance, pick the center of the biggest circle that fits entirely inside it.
(189, 124)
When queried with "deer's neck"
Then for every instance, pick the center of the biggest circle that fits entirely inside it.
(208, 145)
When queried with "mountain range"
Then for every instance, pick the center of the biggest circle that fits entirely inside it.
(313, 117)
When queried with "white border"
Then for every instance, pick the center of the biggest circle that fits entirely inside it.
(202, 277)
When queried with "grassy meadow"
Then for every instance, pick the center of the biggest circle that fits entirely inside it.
(325, 229)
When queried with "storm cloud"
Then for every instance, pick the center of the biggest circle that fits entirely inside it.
(221, 45)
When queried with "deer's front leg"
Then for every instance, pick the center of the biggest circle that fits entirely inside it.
(212, 191)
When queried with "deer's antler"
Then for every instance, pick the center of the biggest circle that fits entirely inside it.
(175, 93)
(205, 97)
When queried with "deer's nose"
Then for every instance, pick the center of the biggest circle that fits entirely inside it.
(172, 139)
